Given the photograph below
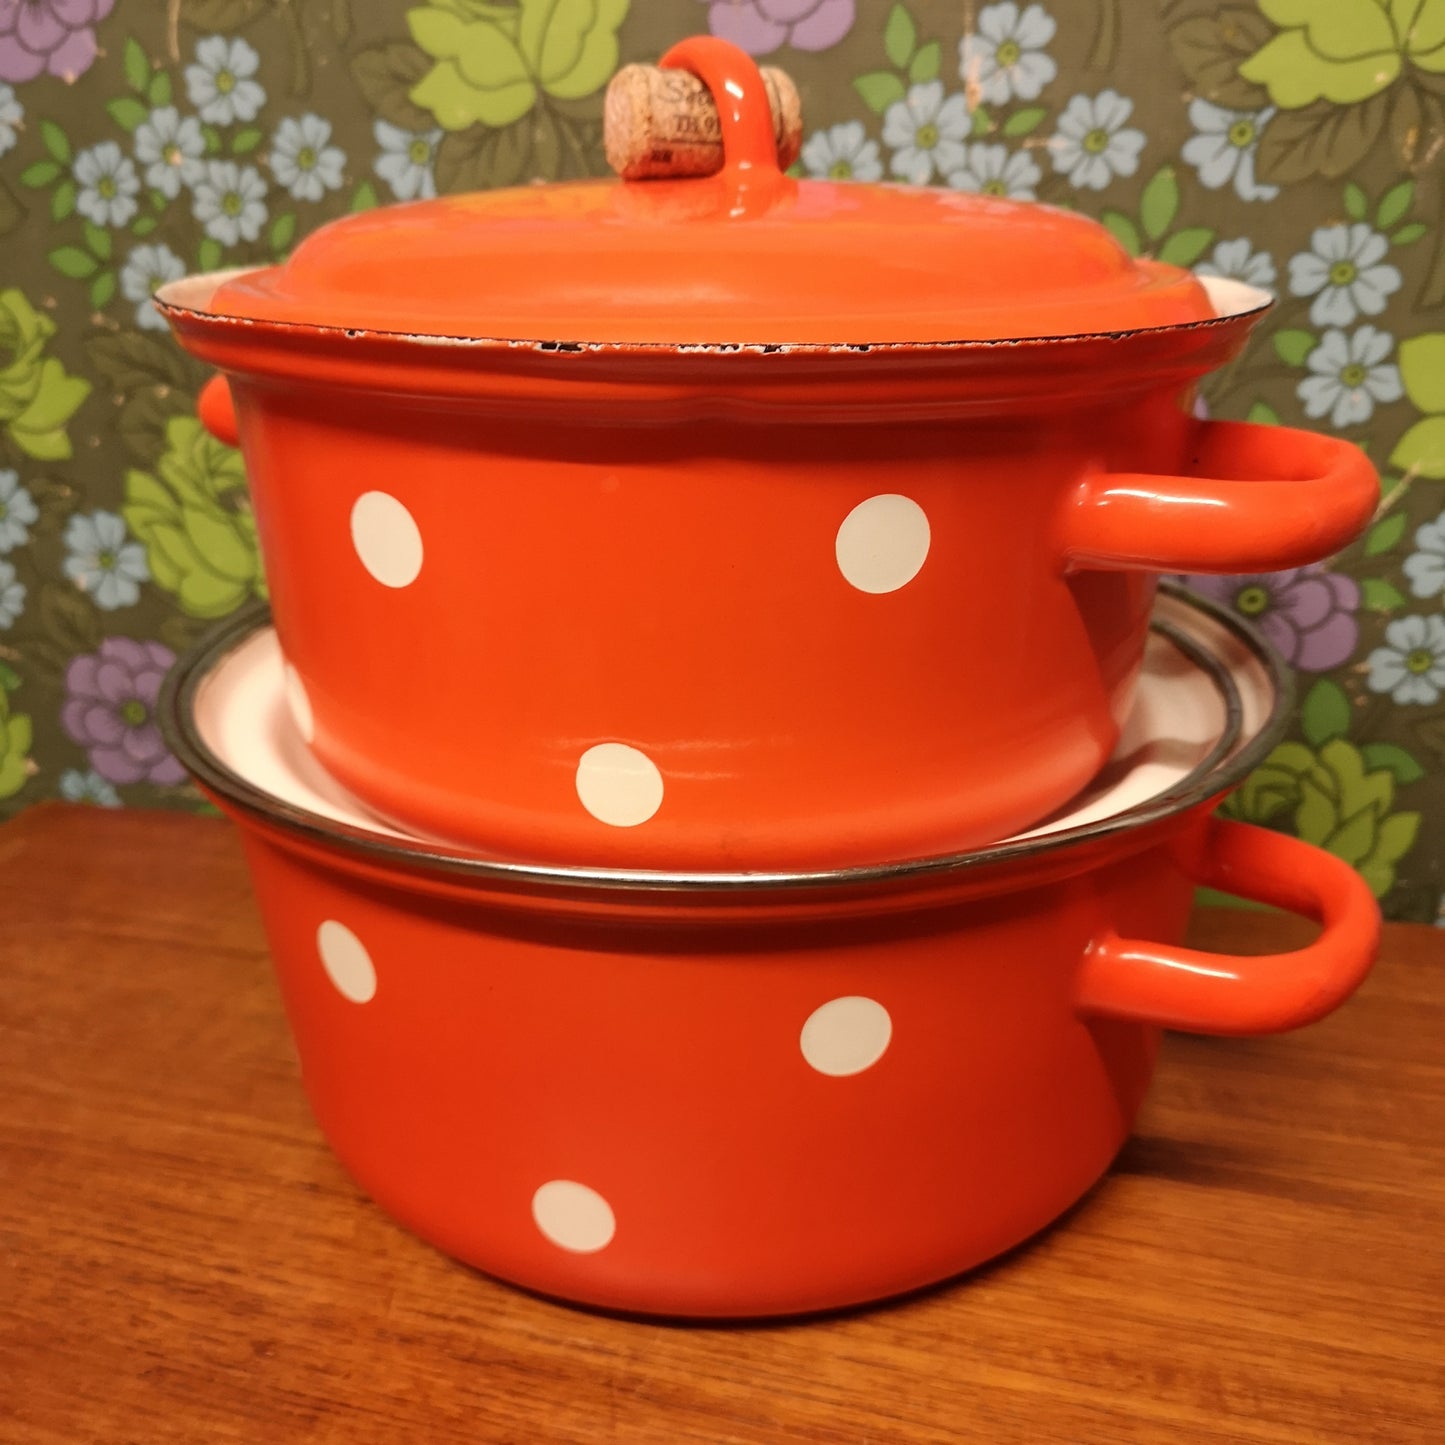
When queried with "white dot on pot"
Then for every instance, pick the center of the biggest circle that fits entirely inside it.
(386, 538)
(618, 784)
(299, 704)
(883, 543)
(347, 963)
(573, 1216)
(846, 1035)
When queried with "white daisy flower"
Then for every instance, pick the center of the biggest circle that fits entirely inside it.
(1224, 146)
(231, 202)
(1342, 271)
(1350, 376)
(406, 160)
(1004, 58)
(1237, 260)
(18, 512)
(219, 83)
(843, 153)
(992, 170)
(1425, 567)
(1093, 145)
(170, 146)
(146, 268)
(1411, 664)
(102, 563)
(926, 132)
(11, 114)
(12, 596)
(302, 160)
(108, 185)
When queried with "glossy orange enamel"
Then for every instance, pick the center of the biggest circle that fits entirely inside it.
(847, 602)
(748, 255)
(653, 1052)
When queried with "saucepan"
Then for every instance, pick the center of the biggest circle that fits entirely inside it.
(748, 1094)
(735, 522)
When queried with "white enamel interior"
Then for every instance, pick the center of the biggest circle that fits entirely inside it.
(1178, 716)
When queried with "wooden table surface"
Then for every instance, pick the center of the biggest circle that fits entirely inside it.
(182, 1260)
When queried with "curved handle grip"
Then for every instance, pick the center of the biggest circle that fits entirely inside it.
(743, 108)
(1257, 499)
(218, 412)
(1218, 993)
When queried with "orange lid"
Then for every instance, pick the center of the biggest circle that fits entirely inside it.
(747, 256)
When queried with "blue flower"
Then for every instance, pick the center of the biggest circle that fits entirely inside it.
(12, 596)
(17, 512)
(87, 787)
(102, 563)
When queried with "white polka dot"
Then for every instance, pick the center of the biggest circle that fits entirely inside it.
(348, 965)
(846, 1035)
(299, 704)
(883, 543)
(619, 785)
(386, 539)
(573, 1216)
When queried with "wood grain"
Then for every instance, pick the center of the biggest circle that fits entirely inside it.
(181, 1259)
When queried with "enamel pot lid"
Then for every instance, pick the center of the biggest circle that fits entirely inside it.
(1210, 703)
(747, 257)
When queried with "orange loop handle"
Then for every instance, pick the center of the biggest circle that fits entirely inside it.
(1217, 993)
(1257, 499)
(746, 116)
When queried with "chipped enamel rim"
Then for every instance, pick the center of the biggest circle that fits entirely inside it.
(192, 296)
(1243, 742)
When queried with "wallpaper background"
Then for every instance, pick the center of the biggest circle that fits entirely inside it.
(140, 139)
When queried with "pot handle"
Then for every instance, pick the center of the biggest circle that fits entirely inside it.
(1220, 993)
(217, 411)
(1256, 499)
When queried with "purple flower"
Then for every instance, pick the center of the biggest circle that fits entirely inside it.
(1307, 613)
(48, 36)
(760, 26)
(110, 710)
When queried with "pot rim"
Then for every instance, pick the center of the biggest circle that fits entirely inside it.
(187, 300)
(1210, 778)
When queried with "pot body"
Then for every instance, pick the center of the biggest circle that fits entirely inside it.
(601, 636)
(739, 1111)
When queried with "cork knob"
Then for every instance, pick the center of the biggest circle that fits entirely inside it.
(664, 123)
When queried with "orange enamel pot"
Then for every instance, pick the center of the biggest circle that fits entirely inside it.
(735, 522)
(747, 1095)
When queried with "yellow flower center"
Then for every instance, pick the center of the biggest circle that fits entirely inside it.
(1252, 601)
(133, 712)
(1342, 273)
(1242, 133)
(306, 158)
(994, 188)
(1097, 141)
(927, 137)
(418, 152)
(1353, 375)
(1009, 53)
(225, 82)
(840, 171)
(173, 156)
(1419, 661)
(106, 187)
(232, 204)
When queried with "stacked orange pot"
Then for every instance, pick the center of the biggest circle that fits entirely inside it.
(682, 589)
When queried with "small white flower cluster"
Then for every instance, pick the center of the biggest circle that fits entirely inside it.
(929, 132)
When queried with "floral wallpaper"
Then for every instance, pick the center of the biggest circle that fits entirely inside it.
(1299, 146)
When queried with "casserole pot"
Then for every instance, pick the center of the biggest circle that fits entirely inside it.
(737, 521)
(741, 1095)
